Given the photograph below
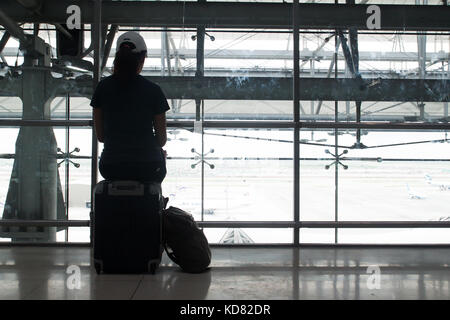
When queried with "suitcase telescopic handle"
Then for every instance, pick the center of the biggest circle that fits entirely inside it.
(126, 188)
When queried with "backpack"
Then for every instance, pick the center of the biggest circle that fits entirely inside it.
(184, 242)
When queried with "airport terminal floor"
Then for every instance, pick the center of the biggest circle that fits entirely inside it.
(250, 273)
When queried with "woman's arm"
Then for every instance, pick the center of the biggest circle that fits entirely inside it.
(159, 122)
(98, 123)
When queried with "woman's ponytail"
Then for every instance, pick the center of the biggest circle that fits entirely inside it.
(126, 62)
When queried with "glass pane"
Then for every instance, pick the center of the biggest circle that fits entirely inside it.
(395, 236)
(314, 235)
(406, 181)
(248, 110)
(6, 166)
(249, 235)
(248, 175)
(182, 184)
(253, 75)
(79, 234)
(58, 108)
(80, 108)
(9, 137)
(80, 190)
(246, 53)
(10, 107)
(317, 176)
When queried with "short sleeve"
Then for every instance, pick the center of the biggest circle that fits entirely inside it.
(96, 97)
(161, 104)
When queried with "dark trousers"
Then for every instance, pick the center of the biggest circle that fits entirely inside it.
(143, 171)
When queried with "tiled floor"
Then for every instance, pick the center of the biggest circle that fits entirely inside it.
(236, 273)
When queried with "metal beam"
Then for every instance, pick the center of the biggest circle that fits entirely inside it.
(252, 224)
(44, 223)
(257, 88)
(11, 27)
(97, 33)
(34, 6)
(4, 40)
(296, 113)
(249, 124)
(238, 14)
(324, 224)
(267, 88)
(46, 123)
(305, 55)
(108, 45)
(304, 73)
(174, 119)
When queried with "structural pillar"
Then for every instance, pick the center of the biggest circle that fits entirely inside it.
(34, 192)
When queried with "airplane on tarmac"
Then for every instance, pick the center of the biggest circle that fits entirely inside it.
(413, 196)
(442, 187)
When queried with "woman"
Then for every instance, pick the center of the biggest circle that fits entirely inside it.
(129, 117)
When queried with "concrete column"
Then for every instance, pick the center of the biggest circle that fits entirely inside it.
(33, 190)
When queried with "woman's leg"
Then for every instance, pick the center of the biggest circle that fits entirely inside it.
(144, 171)
(151, 171)
(105, 170)
(118, 171)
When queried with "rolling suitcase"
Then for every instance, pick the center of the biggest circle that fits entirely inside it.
(127, 227)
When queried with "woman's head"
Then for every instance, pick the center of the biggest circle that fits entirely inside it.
(130, 55)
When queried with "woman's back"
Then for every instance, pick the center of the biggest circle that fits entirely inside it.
(128, 111)
(129, 117)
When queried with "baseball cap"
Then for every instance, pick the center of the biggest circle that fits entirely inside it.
(134, 38)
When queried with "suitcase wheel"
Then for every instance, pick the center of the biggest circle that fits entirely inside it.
(98, 267)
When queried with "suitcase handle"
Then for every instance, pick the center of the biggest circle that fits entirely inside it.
(126, 188)
(130, 188)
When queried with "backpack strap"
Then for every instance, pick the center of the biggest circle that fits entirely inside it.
(170, 254)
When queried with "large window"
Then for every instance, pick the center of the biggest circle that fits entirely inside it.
(373, 154)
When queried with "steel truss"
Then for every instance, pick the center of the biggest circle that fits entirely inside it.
(236, 14)
(266, 88)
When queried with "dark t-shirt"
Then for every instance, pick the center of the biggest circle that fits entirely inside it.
(128, 110)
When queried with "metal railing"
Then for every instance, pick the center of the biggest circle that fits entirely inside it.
(252, 224)
(248, 124)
